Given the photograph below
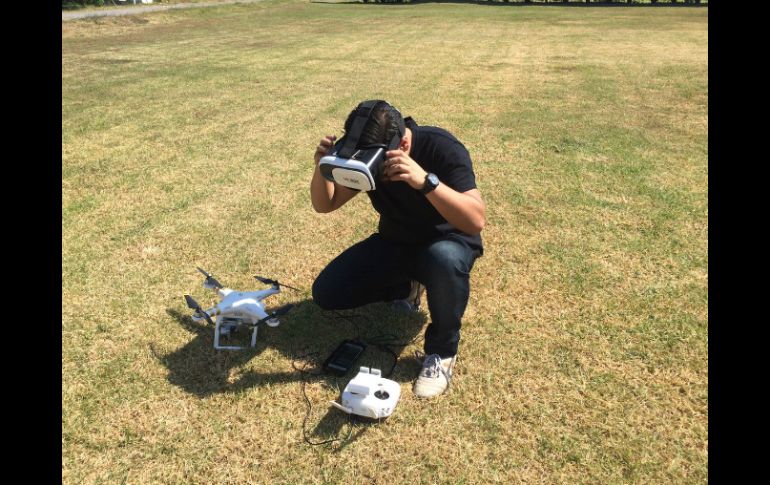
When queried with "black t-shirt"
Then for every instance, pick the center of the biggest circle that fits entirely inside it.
(406, 215)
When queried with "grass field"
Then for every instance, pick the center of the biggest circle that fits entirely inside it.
(187, 140)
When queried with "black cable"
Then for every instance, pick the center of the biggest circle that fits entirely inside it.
(347, 318)
(310, 407)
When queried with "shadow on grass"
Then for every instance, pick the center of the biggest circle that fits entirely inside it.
(306, 334)
(337, 427)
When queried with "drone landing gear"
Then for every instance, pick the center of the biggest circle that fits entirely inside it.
(227, 326)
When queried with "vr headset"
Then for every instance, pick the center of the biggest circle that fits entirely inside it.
(353, 166)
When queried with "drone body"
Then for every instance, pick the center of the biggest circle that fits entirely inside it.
(237, 309)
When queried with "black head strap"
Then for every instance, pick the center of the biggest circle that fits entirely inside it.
(363, 113)
(396, 140)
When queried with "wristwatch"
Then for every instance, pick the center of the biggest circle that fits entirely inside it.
(431, 182)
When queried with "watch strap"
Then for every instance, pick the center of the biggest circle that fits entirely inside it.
(429, 186)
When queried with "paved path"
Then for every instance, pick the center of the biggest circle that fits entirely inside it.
(144, 9)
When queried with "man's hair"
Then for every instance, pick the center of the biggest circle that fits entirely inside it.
(381, 127)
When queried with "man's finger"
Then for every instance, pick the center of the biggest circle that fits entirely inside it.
(392, 161)
(396, 169)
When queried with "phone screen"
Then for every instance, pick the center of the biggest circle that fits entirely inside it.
(348, 355)
(345, 357)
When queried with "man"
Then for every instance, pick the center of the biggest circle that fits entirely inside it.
(431, 217)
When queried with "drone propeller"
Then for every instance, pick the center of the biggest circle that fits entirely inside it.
(191, 303)
(210, 281)
(268, 281)
(194, 305)
(279, 312)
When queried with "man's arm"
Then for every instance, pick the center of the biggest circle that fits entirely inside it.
(464, 210)
(327, 196)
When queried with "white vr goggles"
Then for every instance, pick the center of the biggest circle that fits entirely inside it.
(353, 166)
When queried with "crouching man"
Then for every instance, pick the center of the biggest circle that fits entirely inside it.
(431, 217)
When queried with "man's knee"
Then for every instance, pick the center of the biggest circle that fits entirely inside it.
(448, 259)
(322, 294)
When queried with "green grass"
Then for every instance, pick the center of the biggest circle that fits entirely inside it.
(187, 140)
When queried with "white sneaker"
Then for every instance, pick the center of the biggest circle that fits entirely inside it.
(435, 375)
(412, 302)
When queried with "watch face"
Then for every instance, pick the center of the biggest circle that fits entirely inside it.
(433, 179)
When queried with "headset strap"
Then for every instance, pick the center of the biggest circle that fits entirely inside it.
(363, 113)
(396, 140)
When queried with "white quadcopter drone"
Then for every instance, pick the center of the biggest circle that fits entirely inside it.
(238, 309)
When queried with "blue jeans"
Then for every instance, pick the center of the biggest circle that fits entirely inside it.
(376, 270)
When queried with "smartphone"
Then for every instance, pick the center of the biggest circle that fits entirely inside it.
(344, 356)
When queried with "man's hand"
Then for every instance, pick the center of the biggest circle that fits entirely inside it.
(399, 167)
(324, 147)
(327, 196)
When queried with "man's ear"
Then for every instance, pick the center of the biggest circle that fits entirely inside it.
(405, 143)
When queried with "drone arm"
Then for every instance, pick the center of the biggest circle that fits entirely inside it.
(262, 294)
(211, 312)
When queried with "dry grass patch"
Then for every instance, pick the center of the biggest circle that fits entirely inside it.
(187, 141)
